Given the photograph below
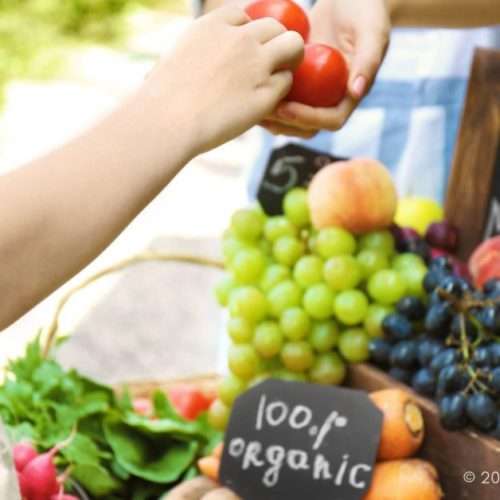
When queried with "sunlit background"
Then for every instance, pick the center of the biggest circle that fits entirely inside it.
(63, 63)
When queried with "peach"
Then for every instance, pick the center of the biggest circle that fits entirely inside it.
(484, 263)
(358, 195)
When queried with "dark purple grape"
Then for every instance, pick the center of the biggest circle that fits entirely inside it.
(404, 354)
(492, 288)
(397, 327)
(411, 307)
(495, 353)
(446, 357)
(428, 349)
(490, 318)
(380, 351)
(482, 411)
(452, 285)
(420, 248)
(494, 381)
(481, 357)
(456, 327)
(438, 319)
(424, 382)
(401, 374)
(442, 235)
(433, 278)
(451, 378)
(402, 235)
(441, 263)
(452, 411)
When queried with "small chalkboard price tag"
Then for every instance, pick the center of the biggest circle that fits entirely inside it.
(297, 441)
(288, 167)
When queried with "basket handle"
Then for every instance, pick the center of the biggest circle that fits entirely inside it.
(149, 256)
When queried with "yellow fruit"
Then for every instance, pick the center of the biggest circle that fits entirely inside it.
(418, 213)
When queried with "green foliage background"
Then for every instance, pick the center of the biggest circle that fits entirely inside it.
(34, 34)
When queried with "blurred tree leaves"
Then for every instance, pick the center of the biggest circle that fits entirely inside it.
(35, 33)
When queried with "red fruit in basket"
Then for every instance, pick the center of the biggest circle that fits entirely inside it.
(64, 496)
(23, 453)
(320, 80)
(188, 401)
(443, 235)
(143, 406)
(288, 13)
(39, 477)
(484, 263)
(439, 252)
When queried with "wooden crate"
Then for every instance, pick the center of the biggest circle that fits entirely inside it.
(453, 453)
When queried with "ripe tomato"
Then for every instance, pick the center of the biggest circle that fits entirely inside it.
(188, 401)
(321, 78)
(288, 13)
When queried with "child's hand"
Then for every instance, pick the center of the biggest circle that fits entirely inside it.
(224, 76)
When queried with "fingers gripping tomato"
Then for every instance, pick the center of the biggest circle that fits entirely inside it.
(288, 13)
(321, 78)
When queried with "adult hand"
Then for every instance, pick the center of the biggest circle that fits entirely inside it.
(360, 30)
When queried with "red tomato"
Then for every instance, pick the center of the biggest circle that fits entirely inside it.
(288, 13)
(321, 78)
(188, 401)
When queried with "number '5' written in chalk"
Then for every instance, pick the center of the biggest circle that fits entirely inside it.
(287, 165)
(298, 417)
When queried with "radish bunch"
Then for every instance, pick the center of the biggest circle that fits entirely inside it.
(37, 474)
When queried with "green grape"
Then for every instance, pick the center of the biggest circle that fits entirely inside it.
(230, 387)
(287, 250)
(328, 369)
(296, 207)
(266, 248)
(342, 272)
(387, 286)
(312, 242)
(353, 345)
(378, 240)
(324, 335)
(318, 301)
(240, 330)
(231, 246)
(350, 307)
(268, 339)
(274, 274)
(374, 317)
(248, 265)
(278, 226)
(218, 415)
(243, 361)
(372, 261)
(270, 365)
(247, 224)
(223, 289)
(249, 303)
(283, 296)
(308, 271)
(333, 241)
(259, 379)
(295, 323)
(290, 376)
(404, 261)
(414, 279)
(297, 356)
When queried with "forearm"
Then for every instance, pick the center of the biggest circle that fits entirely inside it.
(61, 211)
(444, 13)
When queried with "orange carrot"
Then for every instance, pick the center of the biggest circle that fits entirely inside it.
(409, 479)
(217, 451)
(209, 467)
(403, 425)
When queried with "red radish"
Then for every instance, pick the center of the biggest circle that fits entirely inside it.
(63, 496)
(143, 406)
(22, 485)
(23, 453)
(40, 477)
(188, 401)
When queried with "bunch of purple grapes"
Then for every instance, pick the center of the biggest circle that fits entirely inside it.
(448, 348)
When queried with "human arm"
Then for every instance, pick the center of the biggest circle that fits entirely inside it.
(62, 210)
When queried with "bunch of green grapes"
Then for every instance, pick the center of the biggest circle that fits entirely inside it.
(304, 302)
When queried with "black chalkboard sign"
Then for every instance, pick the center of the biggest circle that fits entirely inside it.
(293, 440)
(288, 167)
